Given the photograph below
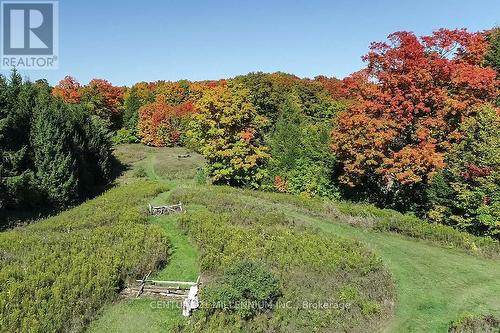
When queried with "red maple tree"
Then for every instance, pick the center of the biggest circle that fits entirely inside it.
(411, 100)
(160, 123)
(68, 89)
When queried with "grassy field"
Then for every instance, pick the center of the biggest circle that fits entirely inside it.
(138, 315)
(435, 285)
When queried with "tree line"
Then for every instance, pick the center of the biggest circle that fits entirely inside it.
(417, 130)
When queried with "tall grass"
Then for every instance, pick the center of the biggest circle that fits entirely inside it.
(56, 273)
(386, 220)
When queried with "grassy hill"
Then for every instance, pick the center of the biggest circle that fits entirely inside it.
(397, 273)
(439, 274)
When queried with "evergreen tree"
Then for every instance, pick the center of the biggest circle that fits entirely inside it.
(492, 57)
(52, 154)
(16, 175)
(301, 161)
(53, 157)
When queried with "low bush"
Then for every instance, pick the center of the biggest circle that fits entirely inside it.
(56, 273)
(124, 136)
(246, 288)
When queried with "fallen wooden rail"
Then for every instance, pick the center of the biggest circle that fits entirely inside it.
(162, 288)
(188, 283)
(166, 209)
(143, 283)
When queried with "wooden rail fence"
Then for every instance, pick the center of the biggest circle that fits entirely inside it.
(162, 288)
(166, 209)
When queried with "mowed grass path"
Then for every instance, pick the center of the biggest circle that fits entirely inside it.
(147, 315)
(435, 285)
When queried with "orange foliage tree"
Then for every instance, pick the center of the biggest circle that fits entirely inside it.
(104, 100)
(160, 124)
(68, 89)
(411, 100)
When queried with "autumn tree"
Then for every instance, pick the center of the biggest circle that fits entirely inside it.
(417, 93)
(266, 96)
(161, 124)
(225, 130)
(68, 89)
(104, 100)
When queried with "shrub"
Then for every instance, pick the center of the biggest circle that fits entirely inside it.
(201, 177)
(140, 172)
(124, 136)
(472, 323)
(246, 288)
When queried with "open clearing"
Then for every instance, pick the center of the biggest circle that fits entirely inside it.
(435, 285)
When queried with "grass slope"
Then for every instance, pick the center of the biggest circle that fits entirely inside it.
(435, 285)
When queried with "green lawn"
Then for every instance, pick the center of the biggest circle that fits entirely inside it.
(138, 315)
(435, 285)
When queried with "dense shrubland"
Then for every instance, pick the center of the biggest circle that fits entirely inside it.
(294, 268)
(55, 274)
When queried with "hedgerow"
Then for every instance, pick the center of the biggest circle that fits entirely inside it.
(55, 274)
(312, 269)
